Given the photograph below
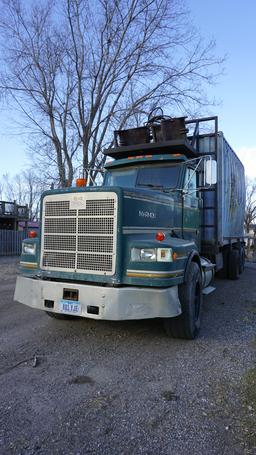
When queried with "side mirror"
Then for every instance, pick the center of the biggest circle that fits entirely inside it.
(210, 172)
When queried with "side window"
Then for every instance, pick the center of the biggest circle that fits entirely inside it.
(191, 181)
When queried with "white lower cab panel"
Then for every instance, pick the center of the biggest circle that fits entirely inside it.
(99, 302)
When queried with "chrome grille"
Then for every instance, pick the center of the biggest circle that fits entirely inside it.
(60, 208)
(95, 244)
(92, 225)
(79, 232)
(98, 208)
(60, 225)
(67, 260)
(60, 242)
(99, 262)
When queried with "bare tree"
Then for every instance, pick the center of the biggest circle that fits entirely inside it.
(1, 191)
(79, 69)
(25, 189)
(33, 77)
(250, 213)
(13, 189)
(250, 207)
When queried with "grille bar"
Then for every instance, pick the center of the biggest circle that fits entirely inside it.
(79, 232)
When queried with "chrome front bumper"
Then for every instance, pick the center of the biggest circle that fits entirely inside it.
(114, 303)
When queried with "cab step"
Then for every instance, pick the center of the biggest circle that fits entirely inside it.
(208, 290)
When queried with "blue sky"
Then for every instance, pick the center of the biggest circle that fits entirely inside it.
(232, 24)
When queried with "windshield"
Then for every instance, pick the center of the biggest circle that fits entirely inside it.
(121, 177)
(155, 177)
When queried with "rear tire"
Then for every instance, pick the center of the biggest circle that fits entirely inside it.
(187, 325)
(223, 273)
(241, 260)
(233, 265)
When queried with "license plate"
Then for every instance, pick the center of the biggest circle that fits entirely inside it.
(70, 307)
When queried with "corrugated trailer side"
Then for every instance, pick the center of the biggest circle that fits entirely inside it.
(224, 204)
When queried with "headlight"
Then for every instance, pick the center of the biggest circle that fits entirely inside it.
(151, 255)
(28, 248)
(143, 254)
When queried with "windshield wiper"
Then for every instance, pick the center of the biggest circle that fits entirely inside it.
(169, 189)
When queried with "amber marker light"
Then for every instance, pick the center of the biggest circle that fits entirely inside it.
(32, 234)
(80, 182)
(160, 236)
(174, 256)
(139, 156)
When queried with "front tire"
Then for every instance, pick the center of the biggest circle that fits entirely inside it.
(187, 325)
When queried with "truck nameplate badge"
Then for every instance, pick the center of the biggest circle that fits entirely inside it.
(70, 307)
(77, 202)
(147, 214)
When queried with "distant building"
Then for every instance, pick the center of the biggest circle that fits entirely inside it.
(11, 214)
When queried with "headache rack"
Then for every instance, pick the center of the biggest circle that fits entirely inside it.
(161, 135)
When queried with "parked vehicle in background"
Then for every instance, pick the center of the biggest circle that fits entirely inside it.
(11, 215)
(146, 244)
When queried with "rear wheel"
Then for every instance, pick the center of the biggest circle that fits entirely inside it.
(187, 325)
(233, 265)
(223, 273)
(242, 260)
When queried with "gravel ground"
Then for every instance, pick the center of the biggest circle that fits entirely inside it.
(124, 388)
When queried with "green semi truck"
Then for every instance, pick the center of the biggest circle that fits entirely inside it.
(148, 241)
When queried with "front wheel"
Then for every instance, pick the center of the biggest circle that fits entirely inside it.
(187, 325)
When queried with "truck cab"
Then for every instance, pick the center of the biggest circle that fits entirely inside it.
(174, 176)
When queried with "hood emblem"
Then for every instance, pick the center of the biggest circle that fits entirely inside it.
(147, 214)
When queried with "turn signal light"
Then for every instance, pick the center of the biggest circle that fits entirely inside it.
(32, 234)
(160, 236)
(80, 182)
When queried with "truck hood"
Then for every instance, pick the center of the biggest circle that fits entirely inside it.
(145, 209)
(141, 208)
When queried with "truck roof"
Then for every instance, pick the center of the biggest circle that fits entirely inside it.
(133, 160)
(181, 146)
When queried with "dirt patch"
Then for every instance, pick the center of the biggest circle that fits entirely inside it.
(248, 420)
(82, 380)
